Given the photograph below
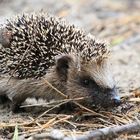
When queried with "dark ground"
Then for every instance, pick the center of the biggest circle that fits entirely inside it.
(116, 21)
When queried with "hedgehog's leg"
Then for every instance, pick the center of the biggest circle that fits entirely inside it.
(23, 89)
(14, 90)
(19, 94)
(3, 92)
(16, 103)
(3, 99)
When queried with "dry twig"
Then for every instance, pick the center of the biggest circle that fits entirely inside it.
(99, 134)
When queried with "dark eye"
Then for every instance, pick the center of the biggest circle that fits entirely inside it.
(86, 82)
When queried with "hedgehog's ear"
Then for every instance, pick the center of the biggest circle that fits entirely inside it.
(62, 65)
(5, 37)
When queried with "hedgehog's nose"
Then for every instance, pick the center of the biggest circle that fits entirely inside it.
(116, 100)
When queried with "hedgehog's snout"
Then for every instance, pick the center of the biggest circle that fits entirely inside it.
(108, 98)
(115, 99)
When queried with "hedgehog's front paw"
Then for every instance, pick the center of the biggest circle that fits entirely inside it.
(16, 108)
(3, 99)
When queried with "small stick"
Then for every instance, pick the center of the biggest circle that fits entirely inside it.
(51, 109)
(89, 110)
(48, 83)
(99, 134)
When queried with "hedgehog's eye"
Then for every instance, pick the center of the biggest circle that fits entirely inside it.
(86, 82)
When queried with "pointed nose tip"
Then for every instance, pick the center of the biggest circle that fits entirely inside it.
(116, 100)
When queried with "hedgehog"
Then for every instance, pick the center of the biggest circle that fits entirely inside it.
(39, 50)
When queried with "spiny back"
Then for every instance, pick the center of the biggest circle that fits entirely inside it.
(35, 40)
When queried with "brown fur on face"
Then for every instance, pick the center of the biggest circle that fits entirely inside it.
(92, 80)
(75, 79)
